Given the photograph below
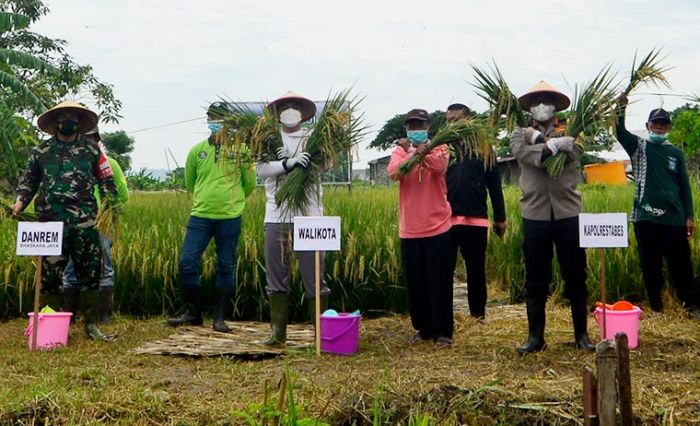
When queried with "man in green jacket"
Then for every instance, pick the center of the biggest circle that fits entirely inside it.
(71, 288)
(663, 209)
(220, 180)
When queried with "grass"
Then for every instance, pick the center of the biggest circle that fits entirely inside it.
(480, 381)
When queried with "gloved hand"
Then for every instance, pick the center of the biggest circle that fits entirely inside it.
(564, 144)
(282, 153)
(302, 159)
(536, 137)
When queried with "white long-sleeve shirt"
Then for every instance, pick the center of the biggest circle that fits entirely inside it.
(274, 174)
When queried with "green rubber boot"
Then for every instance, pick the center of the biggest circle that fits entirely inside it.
(91, 309)
(279, 310)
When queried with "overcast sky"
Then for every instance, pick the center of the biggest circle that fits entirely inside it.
(169, 59)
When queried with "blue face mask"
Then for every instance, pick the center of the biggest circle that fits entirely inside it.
(214, 127)
(657, 138)
(417, 136)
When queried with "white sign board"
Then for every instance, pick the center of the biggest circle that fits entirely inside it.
(603, 230)
(39, 238)
(317, 233)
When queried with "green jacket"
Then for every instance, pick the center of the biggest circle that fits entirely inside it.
(63, 177)
(663, 193)
(220, 180)
(119, 182)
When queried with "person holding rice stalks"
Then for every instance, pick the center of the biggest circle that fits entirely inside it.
(291, 110)
(71, 287)
(220, 181)
(550, 207)
(663, 209)
(62, 172)
(424, 230)
(469, 181)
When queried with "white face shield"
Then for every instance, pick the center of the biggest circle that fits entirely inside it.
(290, 117)
(542, 112)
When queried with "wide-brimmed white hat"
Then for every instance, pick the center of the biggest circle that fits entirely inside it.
(308, 107)
(561, 101)
(87, 119)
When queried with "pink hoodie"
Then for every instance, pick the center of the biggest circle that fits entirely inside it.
(423, 207)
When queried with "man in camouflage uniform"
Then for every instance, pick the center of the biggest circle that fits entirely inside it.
(62, 172)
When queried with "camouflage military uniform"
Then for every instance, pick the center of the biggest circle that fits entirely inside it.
(62, 175)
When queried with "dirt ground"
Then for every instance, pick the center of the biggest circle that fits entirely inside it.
(481, 380)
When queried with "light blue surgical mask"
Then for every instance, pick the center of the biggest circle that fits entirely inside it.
(214, 127)
(657, 138)
(417, 136)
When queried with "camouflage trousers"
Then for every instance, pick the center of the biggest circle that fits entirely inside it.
(84, 247)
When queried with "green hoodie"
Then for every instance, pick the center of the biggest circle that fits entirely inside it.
(219, 180)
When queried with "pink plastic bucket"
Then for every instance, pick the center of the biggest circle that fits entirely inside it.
(52, 331)
(340, 335)
(620, 322)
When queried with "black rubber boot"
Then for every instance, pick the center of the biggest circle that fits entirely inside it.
(579, 315)
(91, 310)
(71, 302)
(106, 304)
(535, 324)
(223, 297)
(53, 300)
(193, 308)
(279, 310)
(311, 307)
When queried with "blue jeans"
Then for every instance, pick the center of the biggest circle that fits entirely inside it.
(199, 233)
(70, 279)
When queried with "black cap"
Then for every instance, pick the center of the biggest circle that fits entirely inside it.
(659, 114)
(417, 114)
(459, 107)
(217, 109)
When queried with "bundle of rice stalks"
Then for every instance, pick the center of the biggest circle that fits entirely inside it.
(504, 109)
(465, 137)
(593, 110)
(260, 133)
(336, 133)
(648, 71)
(6, 212)
(107, 221)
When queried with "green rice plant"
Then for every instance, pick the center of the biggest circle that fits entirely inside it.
(648, 71)
(504, 111)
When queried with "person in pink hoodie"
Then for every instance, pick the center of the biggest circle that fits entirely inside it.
(424, 225)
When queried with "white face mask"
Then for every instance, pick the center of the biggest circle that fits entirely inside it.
(290, 117)
(542, 112)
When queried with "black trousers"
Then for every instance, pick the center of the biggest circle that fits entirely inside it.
(656, 242)
(540, 237)
(426, 265)
(471, 241)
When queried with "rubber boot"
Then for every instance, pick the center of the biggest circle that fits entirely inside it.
(71, 302)
(579, 315)
(193, 310)
(279, 310)
(106, 304)
(311, 307)
(223, 297)
(535, 323)
(54, 300)
(91, 310)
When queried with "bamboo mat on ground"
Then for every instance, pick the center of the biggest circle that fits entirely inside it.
(244, 341)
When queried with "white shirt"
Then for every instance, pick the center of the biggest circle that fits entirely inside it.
(274, 174)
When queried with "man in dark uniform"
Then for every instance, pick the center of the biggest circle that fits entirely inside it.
(62, 173)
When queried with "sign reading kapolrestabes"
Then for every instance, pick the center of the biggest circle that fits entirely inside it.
(39, 238)
(317, 233)
(603, 230)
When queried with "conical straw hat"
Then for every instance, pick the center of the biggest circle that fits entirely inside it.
(561, 101)
(88, 119)
(308, 107)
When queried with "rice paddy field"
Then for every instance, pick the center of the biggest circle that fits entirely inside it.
(479, 381)
(365, 275)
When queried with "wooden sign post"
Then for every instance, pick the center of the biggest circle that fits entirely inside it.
(317, 234)
(38, 239)
(603, 230)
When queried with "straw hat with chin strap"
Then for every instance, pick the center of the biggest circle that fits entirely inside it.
(308, 107)
(561, 101)
(87, 119)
